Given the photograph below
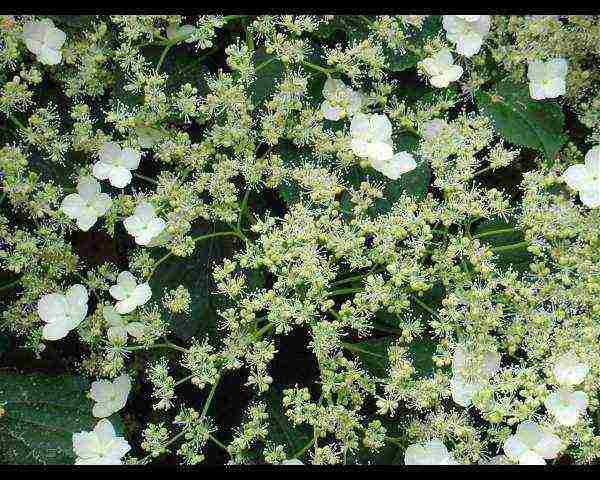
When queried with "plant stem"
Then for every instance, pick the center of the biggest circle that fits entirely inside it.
(264, 64)
(354, 348)
(495, 232)
(318, 68)
(143, 177)
(304, 448)
(343, 291)
(163, 55)
(510, 247)
(423, 305)
(210, 397)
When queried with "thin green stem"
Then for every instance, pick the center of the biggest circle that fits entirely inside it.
(344, 291)
(513, 246)
(211, 394)
(263, 65)
(354, 348)
(163, 56)
(304, 448)
(144, 177)
(218, 442)
(496, 232)
(157, 345)
(16, 122)
(318, 68)
(423, 305)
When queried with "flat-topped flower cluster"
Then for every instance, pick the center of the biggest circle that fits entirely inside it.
(362, 182)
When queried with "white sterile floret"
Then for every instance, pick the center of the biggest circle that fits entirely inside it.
(62, 313)
(101, 446)
(144, 225)
(470, 374)
(531, 445)
(466, 35)
(118, 328)
(585, 178)
(340, 100)
(129, 294)
(372, 139)
(567, 405)
(179, 33)
(116, 164)
(87, 204)
(432, 128)
(110, 397)
(441, 69)
(469, 18)
(547, 79)
(568, 370)
(433, 452)
(44, 40)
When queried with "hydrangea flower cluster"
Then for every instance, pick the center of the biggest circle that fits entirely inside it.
(382, 230)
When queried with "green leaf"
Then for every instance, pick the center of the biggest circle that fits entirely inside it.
(373, 355)
(41, 415)
(522, 120)
(269, 71)
(194, 273)
(519, 259)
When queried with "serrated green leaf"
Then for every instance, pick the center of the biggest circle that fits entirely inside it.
(522, 120)
(269, 71)
(194, 273)
(41, 414)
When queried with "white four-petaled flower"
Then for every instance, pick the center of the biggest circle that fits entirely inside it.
(62, 313)
(144, 225)
(547, 79)
(44, 40)
(372, 139)
(110, 397)
(118, 328)
(101, 446)
(466, 34)
(441, 69)
(567, 405)
(115, 164)
(470, 375)
(433, 452)
(585, 178)
(340, 100)
(129, 294)
(531, 445)
(87, 204)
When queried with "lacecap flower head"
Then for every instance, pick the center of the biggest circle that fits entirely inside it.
(62, 313)
(44, 40)
(115, 164)
(87, 204)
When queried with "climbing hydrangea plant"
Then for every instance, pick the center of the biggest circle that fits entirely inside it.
(300, 239)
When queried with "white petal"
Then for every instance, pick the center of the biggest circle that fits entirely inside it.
(55, 330)
(136, 329)
(119, 177)
(142, 294)
(576, 176)
(531, 458)
(109, 153)
(105, 431)
(592, 161)
(52, 307)
(72, 205)
(88, 188)
(101, 391)
(101, 170)
(514, 448)
(127, 280)
(590, 197)
(130, 158)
